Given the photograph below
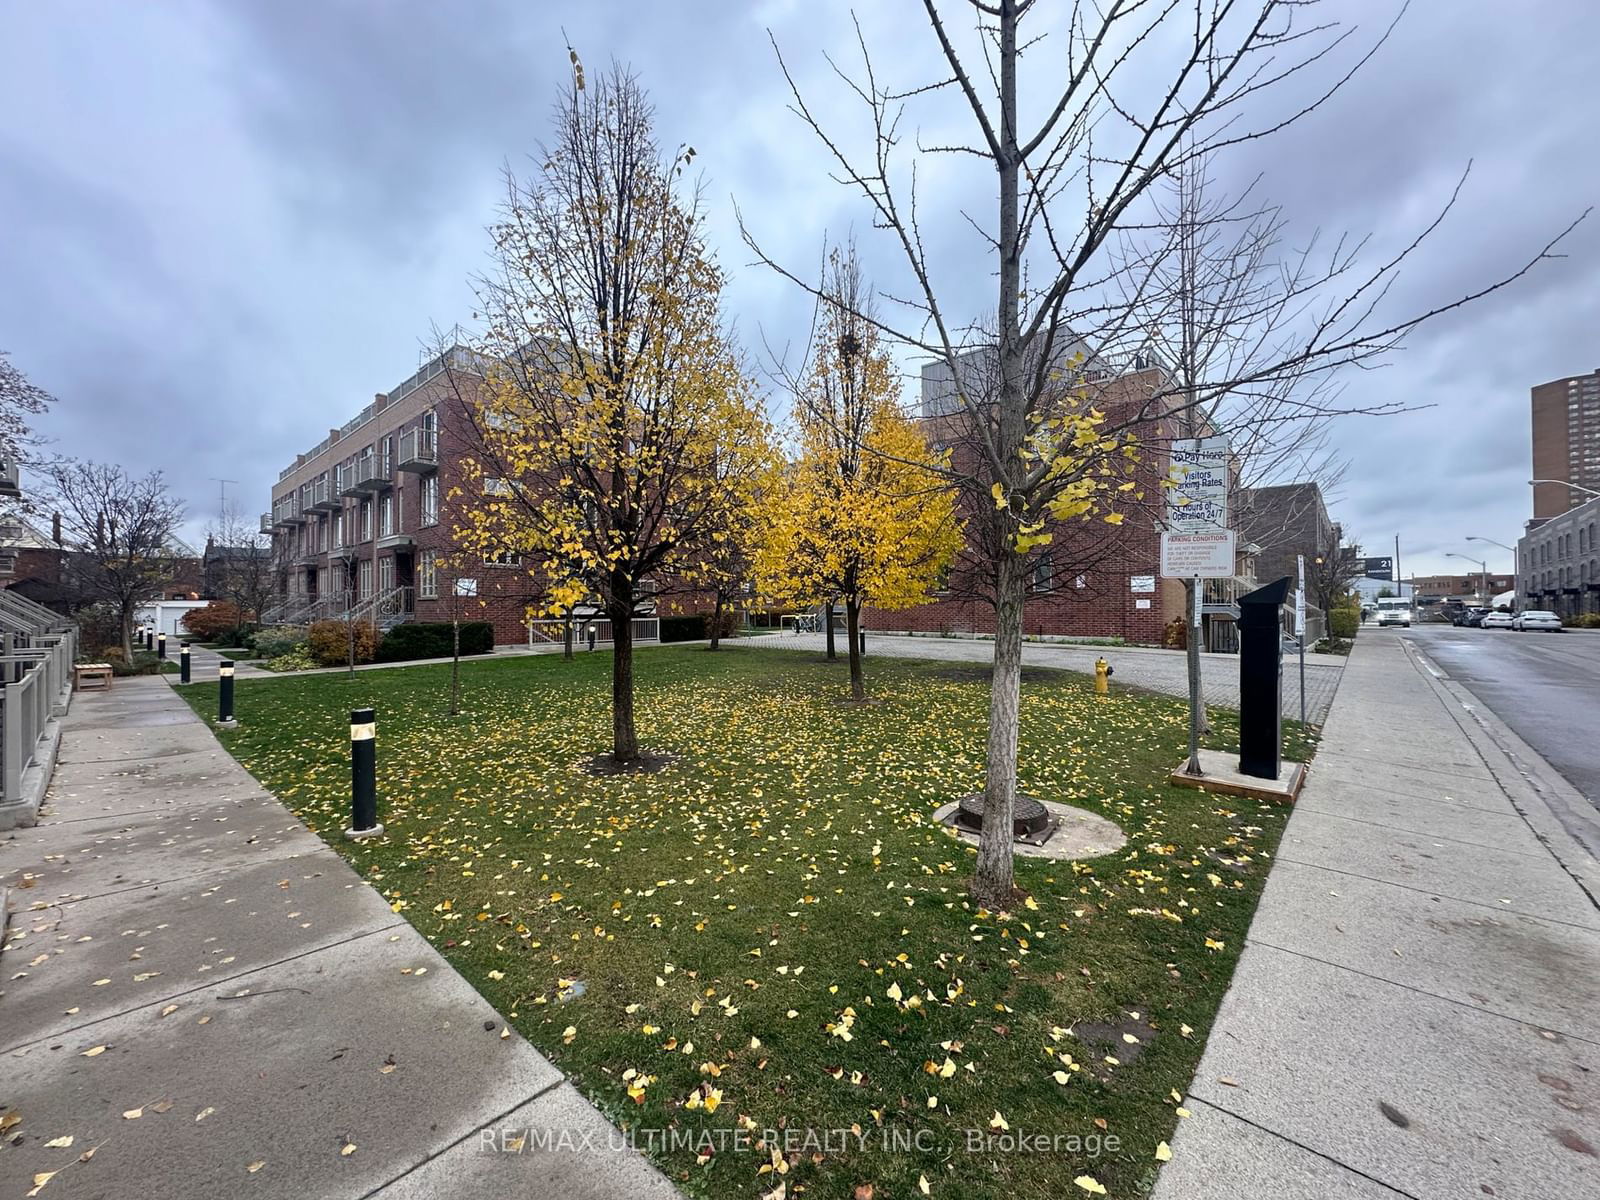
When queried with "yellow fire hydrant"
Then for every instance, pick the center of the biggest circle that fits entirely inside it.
(1102, 676)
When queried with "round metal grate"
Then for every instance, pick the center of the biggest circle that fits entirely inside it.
(1031, 817)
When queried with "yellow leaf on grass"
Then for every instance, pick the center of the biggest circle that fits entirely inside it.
(1163, 1152)
(1090, 1184)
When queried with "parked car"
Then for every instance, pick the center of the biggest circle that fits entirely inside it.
(1475, 618)
(1537, 619)
(1464, 616)
(1496, 620)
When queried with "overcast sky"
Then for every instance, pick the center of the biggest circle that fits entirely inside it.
(225, 224)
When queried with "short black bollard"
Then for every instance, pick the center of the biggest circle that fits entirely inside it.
(161, 645)
(363, 776)
(183, 663)
(225, 695)
(591, 632)
(861, 639)
(145, 636)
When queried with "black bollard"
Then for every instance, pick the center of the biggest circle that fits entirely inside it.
(161, 645)
(225, 695)
(363, 775)
(591, 632)
(861, 639)
(183, 663)
(1261, 680)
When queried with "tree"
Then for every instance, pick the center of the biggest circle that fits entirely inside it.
(618, 427)
(119, 532)
(1135, 93)
(860, 515)
(243, 571)
(19, 400)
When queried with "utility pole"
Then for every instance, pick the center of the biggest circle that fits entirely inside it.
(1399, 588)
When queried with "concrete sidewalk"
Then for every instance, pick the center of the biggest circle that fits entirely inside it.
(200, 991)
(1142, 666)
(1414, 1014)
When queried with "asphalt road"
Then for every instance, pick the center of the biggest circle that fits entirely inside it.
(1546, 686)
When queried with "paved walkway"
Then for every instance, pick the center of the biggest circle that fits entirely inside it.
(1414, 1014)
(200, 991)
(1156, 670)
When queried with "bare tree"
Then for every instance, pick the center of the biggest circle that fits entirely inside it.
(1139, 90)
(244, 574)
(20, 399)
(119, 532)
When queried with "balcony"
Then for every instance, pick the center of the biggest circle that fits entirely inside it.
(368, 473)
(1220, 597)
(419, 450)
(323, 498)
(266, 522)
(287, 512)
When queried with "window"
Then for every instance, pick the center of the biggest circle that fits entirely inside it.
(428, 574)
(430, 500)
(504, 559)
(1043, 574)
(366, 520)
(495, 487)
(365, 576)
(385, 575)
(386, 517)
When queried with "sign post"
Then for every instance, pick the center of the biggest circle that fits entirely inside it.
(1300, 626)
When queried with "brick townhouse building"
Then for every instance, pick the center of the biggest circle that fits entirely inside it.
(363, 519)
(1094, 579)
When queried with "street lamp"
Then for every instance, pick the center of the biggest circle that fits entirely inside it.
(1512, 550)
(1577, 487)
(1483, 567)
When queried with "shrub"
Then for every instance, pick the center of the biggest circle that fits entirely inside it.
(329, 642)
(1583, 621)
(683, 629)
(211, 622)
(297, 659)
(278, 641)
(434, 639)
(1344, 622)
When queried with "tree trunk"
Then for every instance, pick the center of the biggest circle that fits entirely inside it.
(566, 637)
(852, 633)
(127, 635)
(827, 617)
(716, 622)
(1197, 708)
(992, 881)
(624, 741)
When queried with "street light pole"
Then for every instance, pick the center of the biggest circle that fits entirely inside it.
(1483, 571)
(1512, 550)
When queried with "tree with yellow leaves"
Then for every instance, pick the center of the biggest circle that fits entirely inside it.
(621, 437)
(862, 514)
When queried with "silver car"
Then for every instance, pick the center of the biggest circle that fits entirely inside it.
(1537, 618)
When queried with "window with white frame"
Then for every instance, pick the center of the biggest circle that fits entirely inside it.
(366, 520)
(505, 558)
(428, 574)
(495, 487)
(430, 500)
(386, 516)
(365, 576)
(1043, 574)
(386, 574)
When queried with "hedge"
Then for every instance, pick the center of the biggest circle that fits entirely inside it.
(1343, 622)
(694, 628)
(434, 639)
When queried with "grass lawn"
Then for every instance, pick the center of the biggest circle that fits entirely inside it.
(770, 934)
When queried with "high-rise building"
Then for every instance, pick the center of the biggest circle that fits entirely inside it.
(1566, 442)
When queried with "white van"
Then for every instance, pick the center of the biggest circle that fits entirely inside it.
(1394, 610)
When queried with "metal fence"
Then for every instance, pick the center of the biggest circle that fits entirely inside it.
(645, 629)
(37, 650)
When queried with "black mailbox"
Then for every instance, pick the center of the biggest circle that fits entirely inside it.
(1261, 680)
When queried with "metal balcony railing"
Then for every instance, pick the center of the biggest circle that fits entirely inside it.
(419, 450)
(266, 522)
(318, 496)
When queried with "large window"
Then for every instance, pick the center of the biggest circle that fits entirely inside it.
(430, 500)
(1043, 574)
(386, 516)
(428, 574)
(366, 520)
(365, 577)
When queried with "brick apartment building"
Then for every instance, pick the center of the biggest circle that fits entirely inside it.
(363, 518)
(1464, 587)
(1094, 579)
(1566, 442)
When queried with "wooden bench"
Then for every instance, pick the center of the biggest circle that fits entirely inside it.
(88, 677)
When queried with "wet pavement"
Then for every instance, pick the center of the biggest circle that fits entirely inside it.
(1546, 686)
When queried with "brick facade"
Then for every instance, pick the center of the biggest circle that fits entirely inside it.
(397, 532)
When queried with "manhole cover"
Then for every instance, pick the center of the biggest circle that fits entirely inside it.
(1031, 818)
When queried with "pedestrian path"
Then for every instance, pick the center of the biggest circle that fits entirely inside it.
(1414, 1012)
(1146, 667)
(201, 992)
